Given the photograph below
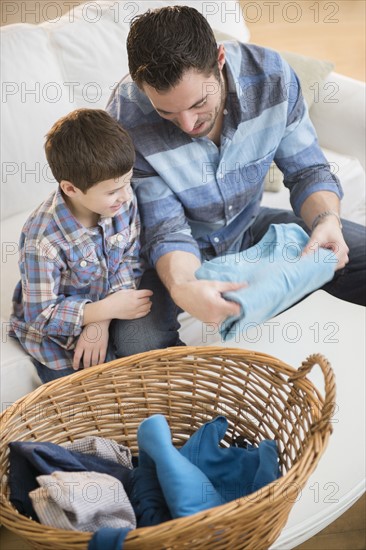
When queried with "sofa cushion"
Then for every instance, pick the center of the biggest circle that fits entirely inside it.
(339, 116)
(90, 45)
(18, 375)
(33, 98)
(93, 36)
(310, 72)
(10, 275)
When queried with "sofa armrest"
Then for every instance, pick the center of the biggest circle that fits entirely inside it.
(338, 114)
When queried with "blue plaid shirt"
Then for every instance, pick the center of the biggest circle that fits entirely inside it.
(194, 196)
(63, 266)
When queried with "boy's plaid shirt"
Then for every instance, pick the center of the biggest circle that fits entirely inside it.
(63, 266)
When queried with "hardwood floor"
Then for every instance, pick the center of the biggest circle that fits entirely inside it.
(346, 533)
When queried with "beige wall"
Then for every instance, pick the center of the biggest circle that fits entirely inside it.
(325, 29)
(33, 11)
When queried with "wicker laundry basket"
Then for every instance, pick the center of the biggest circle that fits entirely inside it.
(262, 398)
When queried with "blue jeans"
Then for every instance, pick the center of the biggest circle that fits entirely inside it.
(47, 375)
(159, 329)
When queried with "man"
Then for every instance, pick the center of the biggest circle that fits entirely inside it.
(206, 122)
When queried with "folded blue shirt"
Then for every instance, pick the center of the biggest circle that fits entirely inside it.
(277, 274)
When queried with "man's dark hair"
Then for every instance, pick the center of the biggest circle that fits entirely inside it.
(88, 146)
(164, 43)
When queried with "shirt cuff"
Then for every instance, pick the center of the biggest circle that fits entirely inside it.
(162, 249)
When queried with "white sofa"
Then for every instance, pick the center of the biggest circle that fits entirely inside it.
(54, 67)
(74, 61)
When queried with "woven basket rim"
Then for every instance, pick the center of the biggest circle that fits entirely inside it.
(131, 360)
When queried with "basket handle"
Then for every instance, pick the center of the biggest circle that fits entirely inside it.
(330, 388)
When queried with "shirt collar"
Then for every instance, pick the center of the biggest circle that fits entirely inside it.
(234, 104)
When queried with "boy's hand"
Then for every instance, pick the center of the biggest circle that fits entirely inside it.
(129, 304)
(91, 347)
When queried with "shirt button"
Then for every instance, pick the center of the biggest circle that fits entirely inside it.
(83, 263)
(216, 240)
(225, 111)
(119, 238)
(230, 207)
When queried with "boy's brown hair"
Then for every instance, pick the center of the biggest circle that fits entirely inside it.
(88, 146)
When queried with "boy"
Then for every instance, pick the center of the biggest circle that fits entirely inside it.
(79, 251)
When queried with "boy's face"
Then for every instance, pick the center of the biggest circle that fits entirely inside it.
(103, 199)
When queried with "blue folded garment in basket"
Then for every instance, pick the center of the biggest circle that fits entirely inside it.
(171, 483)
(108, 539)
(186, 489)
(234, 472)
(277, 274)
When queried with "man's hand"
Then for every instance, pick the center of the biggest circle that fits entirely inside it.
(203, 299)
(91, 347)
(328, 234)
(200, 298)
(321, 208)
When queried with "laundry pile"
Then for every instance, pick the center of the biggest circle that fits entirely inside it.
(94, 484)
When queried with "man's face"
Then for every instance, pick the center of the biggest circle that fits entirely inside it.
(193, 104)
